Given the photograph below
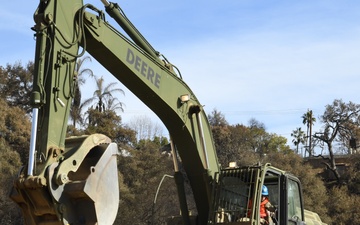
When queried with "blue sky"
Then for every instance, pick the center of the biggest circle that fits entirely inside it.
(270, 60)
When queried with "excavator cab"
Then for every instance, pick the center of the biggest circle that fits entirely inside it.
(237, 196)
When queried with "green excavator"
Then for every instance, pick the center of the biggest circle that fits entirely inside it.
(74, 180)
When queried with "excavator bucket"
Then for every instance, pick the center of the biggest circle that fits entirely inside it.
(89, 195)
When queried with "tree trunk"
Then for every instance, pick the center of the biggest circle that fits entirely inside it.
(333, 167)
(310, 134)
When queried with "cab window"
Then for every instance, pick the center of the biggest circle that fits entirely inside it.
(294, 202)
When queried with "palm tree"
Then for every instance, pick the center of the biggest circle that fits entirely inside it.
(299, 138)
(104, 96)
(309, 120)
(76, 106)
(114, 104)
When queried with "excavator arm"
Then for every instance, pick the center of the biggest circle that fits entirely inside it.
(64, 177)
(154, 83)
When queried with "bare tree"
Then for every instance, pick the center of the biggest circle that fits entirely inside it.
(339, 120)
(145, 129)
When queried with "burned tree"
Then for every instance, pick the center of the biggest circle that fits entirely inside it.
(340, 121)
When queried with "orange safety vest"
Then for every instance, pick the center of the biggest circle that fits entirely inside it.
(263, 213)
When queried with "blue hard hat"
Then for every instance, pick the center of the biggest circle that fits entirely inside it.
(264, 190)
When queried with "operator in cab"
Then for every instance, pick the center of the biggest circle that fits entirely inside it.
(266, 208)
